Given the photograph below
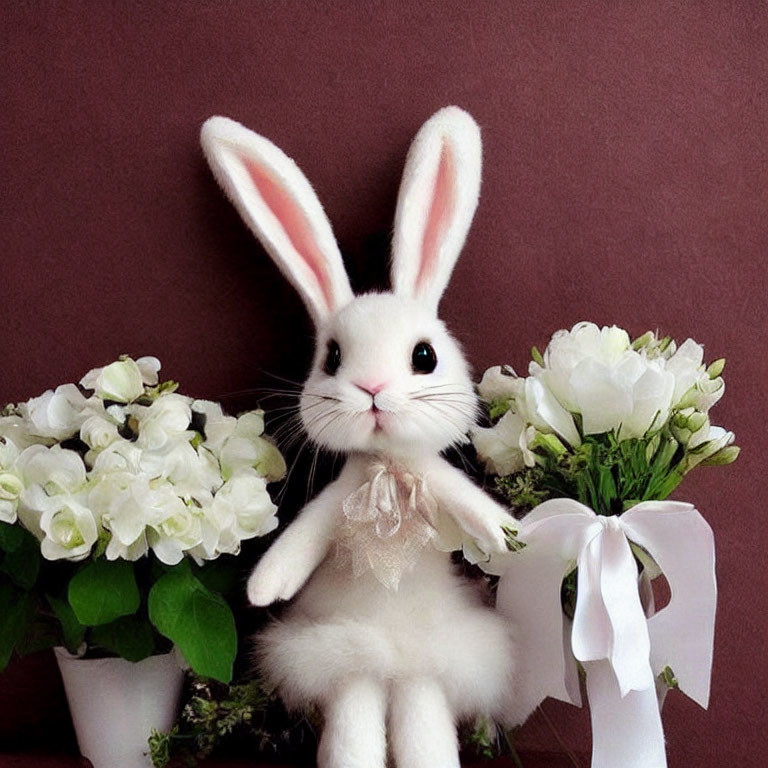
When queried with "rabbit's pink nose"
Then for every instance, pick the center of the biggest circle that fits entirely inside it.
(370, 388)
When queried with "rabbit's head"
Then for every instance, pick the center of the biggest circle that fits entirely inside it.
(387, 376)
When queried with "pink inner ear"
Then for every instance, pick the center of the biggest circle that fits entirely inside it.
(294, 223)
(440, 213)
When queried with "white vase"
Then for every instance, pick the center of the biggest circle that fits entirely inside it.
(116, 703)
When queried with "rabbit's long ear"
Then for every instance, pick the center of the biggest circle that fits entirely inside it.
(277, 202)
(437, 200)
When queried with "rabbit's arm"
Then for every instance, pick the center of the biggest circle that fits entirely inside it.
(290, 561)
(474, 511)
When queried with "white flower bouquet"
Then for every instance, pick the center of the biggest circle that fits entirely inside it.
(114, 497)
(586, 449)
(602, 419)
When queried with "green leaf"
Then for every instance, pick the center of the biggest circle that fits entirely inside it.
(198, 621)
(22, 562)
(130, 637)
(220, 575)
(72, 631)
(15, 609)
(11, 536)
(103, 591)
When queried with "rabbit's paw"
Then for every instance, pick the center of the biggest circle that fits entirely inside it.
(273, 579)
(495, 531)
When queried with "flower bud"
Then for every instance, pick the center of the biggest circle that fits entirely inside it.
(715, 369)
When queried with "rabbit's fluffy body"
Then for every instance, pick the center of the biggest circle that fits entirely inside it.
(342, 627)
(415, 658)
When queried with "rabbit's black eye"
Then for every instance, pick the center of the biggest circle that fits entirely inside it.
(333, 358)
(424, 358)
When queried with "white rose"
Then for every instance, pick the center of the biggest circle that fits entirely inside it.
(69, 528)
(167, 418)
(567, 349)
(119, 456)
(16, 429)
(248, 498)
(218, 426)
(594, 372)
(98, 433)
(11, 487)
(55, 414)
(11, 484)
(242, 509)
(190, 471)
(634, 394)
(242, 453)
(505, 447)
(178, 528)
(124, 502)
(247, 449)
(55, 469)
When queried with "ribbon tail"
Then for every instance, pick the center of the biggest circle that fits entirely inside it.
(529, 595)
(682, 633)
(626, 731)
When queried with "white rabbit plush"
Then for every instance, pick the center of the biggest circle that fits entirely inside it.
(384, 636)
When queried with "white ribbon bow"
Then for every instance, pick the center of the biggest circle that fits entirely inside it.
(621, 648)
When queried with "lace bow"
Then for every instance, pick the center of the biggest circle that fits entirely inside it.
(387, 522)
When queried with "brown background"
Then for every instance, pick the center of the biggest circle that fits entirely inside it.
(625, 182)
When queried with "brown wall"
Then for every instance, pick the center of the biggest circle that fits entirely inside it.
(625, 181)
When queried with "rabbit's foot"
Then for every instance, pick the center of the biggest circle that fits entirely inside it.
(354, 735)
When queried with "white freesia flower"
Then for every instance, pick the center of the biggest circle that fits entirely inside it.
(690, 427)
(121, 381)
(539, 407)
(247, 449)
(163, 421)
(218, 426)
(55, 414)
(505, 447)
(101, 380)
(149, 368)
(11, 484)
(694, 388)
(717, 439)
(98, 432)
(499, 383)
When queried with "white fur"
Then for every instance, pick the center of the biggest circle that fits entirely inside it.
(453, 132)
(226, 144)
(429, 653)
